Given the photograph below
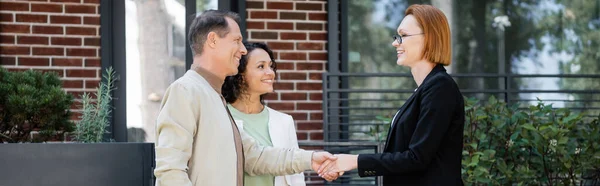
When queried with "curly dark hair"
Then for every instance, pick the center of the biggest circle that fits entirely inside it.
(234, 86)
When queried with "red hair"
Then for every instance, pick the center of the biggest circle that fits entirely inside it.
(436, 30)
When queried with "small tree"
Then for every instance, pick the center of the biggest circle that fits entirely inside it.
(96, 112)
(33, 101)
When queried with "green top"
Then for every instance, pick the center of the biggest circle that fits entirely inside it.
(257, 126)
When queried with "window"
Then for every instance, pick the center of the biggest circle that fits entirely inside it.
(527, 50)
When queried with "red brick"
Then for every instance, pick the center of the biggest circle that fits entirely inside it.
(91, 41)
(80, 9)
(76, 62)
(78, 94)
(281, 45)
(309, 86)
(65, 19)
(47, 29)
(309, 66)
(6, 17)
(31, 18)
(309, 106)
(318, 36)
(75, 116)
(271, 96)
(255, 5)
(72, 83)
(292, 76)
(91, 52)
(292, 56)
(292, 15)
(317, 56)
(92, 62)
(283, 86)
(46, 8)
(59, 72)
(7, 39)
(316, 136)
(67, 1)
(76, 104)
(309, 46)
(282, 106)
(255, 25)
(263, 15)
(280, 26)
(263, 35)
(14, 50)
(80, 73)
(81, 31)
(32, 40)
(317, 16)
(302, 136)
(66, 41)
(8, 61)
(28, 61)
(9, 28)
(293, 96)
(310, 125)
(91, 83)
(309, 26)
(285, 66)
(280, 5)
(298, 115)
(92, 1)
(309, 6)
(316, 96)
(316, 116)
(48, 51)
(91, 20)
(14, 6)
(292, 35)
(315, 76)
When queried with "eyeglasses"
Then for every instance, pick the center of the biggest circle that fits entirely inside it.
(398, 38)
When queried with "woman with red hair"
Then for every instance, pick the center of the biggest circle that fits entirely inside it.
(424, 144)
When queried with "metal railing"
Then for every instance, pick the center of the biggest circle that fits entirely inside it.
(351, 112)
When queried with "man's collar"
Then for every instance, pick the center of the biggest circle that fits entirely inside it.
(214, 81)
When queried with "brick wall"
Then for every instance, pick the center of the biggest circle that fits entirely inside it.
(296, 32)
(62, 36)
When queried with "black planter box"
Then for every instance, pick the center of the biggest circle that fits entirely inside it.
(77, 164)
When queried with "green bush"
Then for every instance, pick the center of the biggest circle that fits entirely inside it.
(33, 101)
(540, 145)
(96, 112)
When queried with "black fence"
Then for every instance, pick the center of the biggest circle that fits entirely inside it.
(360, 111)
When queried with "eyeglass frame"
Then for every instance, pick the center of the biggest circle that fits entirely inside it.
(398, 37)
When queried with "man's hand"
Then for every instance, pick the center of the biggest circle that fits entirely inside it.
(318, 158)
(336, 168)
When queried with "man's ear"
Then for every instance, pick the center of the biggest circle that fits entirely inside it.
(211, 39)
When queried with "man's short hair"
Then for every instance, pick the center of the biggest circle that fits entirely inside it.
(209, 21)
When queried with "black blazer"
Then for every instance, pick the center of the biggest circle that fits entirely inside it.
(424, 144)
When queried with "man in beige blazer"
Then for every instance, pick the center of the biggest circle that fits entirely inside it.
(197, 141)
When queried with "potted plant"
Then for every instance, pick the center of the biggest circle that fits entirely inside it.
(89, 160)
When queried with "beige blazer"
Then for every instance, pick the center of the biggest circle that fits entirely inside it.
(282, 131)
(195, 144)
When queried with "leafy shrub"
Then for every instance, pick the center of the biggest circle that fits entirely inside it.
(33, 101)
(540, 145)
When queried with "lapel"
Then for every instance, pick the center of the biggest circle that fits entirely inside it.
(393, 125)
(276, 131)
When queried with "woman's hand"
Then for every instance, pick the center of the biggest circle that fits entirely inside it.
(330, 170)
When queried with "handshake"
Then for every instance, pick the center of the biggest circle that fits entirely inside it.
(330, 167)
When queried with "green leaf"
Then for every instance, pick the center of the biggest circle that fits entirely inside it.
(529, 127)
(563, 140)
